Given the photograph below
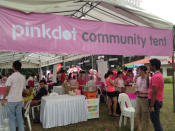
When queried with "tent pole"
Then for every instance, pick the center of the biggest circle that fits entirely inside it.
(92, 61)
(64, 64)
(173, 67)
(173, 84)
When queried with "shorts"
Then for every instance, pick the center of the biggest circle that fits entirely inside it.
(112, 94)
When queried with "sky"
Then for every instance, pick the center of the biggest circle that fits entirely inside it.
(162, 8)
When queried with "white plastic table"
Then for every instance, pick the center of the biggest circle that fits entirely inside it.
(3, 114)
(63, 110)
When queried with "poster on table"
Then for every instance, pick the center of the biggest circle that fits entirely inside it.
(93, 108)
(52, 33)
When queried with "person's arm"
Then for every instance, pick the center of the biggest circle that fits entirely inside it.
(153, 98)
(6, 92)
(143, 92)
(155, 86)
(116, 82)
(111, 82)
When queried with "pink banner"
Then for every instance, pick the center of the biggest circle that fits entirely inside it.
(59, 34)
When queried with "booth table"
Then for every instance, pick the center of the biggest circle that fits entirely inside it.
(63, 110)
(59, 90)
(130, 92)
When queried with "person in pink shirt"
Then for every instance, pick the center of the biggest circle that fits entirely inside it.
(82, 80)
(111, 93)
(155, 94)
(128, 78)
(120, 82)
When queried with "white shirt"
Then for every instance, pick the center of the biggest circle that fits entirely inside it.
(141, 85)
(17, 83)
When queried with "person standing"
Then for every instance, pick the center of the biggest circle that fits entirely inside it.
(142, 113)
(155, 94)
(112, 94)
(15, 85)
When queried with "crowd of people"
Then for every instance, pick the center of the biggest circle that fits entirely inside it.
(148, 81)
(149, 86)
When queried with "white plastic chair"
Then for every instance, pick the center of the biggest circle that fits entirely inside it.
(127, 111)
(33, 110)
(5, 125)
(53, 94)
(26, 114)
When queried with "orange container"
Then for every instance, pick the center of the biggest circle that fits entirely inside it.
(91, 95)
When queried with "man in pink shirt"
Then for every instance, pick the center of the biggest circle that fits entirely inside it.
(155, 94)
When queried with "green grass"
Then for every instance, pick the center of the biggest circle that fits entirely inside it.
(110, 123)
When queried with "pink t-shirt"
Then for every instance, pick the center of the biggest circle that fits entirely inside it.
(157, 80)
(110, 88)
(128, 79)
(120, 83)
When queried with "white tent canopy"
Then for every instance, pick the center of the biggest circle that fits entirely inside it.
(34, 60)
(98, 10)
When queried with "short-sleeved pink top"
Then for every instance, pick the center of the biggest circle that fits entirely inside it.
(158, 81)
(110, 88)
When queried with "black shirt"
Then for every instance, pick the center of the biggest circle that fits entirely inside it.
(42, 92)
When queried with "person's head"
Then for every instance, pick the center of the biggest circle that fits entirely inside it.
(137, 69)
(155, 65)
(17, 66)
(74, 78)
(66, 77)
(125, 69)
(119, 74)
(91, 78)
(31, 83)
(110, 74)
(83, 74)
(99, 79)
(142, 70)
(129, 72)
(42, 83)
(32, 75)
(106, 75)
(70, 76)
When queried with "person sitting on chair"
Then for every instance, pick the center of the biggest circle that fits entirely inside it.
(42, 92)
(29, 93)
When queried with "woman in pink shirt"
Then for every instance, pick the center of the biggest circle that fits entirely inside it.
(111, 93)
(120, 84)
(128, 78)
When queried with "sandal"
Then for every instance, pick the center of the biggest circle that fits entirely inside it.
(115, 115)
(110, 114)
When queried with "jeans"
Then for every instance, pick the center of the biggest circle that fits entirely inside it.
(155, 116)
(14, 110)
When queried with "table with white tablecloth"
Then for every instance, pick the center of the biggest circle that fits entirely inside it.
(3, 114)
(58, 89)
(63, 110)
